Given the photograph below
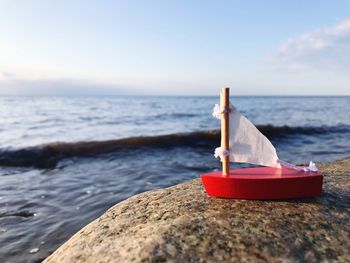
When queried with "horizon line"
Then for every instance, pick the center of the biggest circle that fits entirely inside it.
(171, 95)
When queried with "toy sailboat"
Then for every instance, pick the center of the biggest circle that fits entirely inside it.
(242, 142)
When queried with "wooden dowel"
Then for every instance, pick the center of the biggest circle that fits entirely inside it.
(225, 131)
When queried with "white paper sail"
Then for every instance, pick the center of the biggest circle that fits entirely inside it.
(247, 143)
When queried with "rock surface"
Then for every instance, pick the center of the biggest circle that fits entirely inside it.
(183, 224)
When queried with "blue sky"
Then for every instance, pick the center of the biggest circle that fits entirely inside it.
(175, 47)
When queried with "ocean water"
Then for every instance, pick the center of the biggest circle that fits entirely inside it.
(66, 160)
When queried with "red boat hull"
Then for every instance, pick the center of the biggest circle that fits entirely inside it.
(263, 183)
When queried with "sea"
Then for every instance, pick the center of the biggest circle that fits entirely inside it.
(65, 160)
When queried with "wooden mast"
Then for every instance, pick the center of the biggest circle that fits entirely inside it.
(225, 103)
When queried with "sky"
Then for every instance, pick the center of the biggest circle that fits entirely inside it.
(157, 47)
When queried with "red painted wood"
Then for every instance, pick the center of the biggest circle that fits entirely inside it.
(263, 183)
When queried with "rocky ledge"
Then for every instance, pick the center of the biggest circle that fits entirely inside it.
(182, 224)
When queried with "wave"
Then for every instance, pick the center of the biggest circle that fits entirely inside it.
(48, 155)
(24, 214)
(277, 131)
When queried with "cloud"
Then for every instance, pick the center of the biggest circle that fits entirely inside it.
(10, 84)
(7, 75)
(321, 49)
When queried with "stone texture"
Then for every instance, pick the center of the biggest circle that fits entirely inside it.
(183, 224)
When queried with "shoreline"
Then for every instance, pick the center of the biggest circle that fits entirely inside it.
(181, 223)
